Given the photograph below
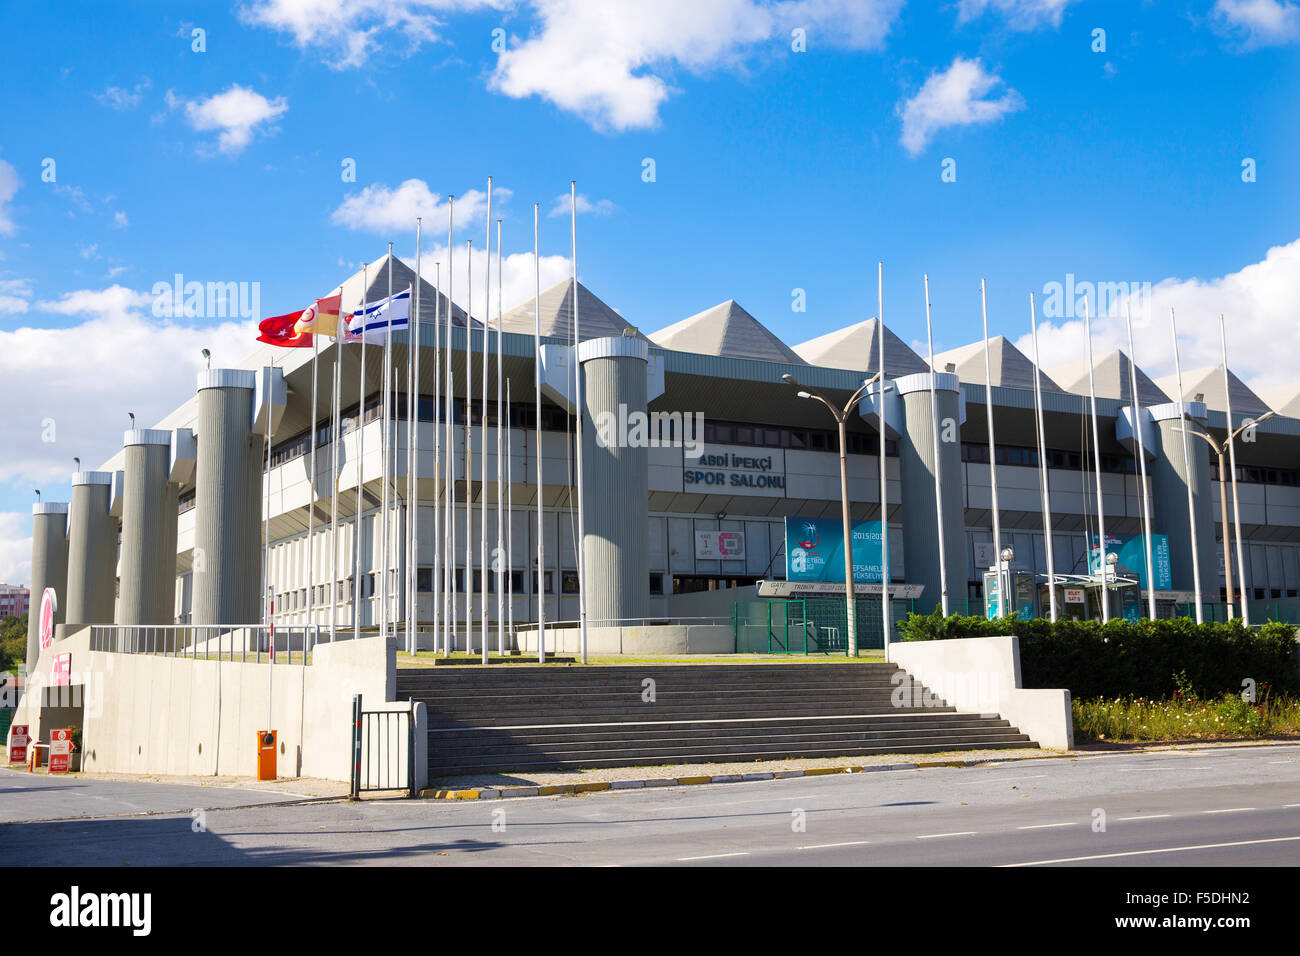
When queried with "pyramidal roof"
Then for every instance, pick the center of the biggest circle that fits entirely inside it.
(375, 277)
(857, 347)
(1007, 364)
(1111, 377)
(1283, 398)
(1209, 382)
(595, 319)
(727, 330)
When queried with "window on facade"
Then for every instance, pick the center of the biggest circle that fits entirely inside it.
(656, 582)
(569, 582)
(550, 584)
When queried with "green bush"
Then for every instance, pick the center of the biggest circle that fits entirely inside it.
(1133, 658)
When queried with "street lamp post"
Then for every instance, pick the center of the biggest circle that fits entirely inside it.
(841, 417)
(1222, 451)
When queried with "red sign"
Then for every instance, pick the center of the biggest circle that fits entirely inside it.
(60, 750)
(62, 671)
(18, 741)
(49, 604)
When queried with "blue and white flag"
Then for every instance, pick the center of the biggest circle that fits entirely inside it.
(375, 320)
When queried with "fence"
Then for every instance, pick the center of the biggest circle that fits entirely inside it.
(223, 642)
(383, 750)
(810, 625)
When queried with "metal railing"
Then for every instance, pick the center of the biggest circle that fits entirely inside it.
(630, 622)
(219, 642)
(383, 749)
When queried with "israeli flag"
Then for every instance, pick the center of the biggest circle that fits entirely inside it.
(375, 320)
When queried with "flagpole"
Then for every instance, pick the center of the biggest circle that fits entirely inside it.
(413, 457)
(311, 486)
(993, 465)
(385, 611)
(1187, 472)
(435, 582)
(1232, 463)
(469, 449)
(577, 377)
(938, 457)
(485, 566)
(1042, 465)
(540, 586)
(334, 473)
(510, 527)
(1142, 467)
(502, 412)
(357, 582)
(1096, 462)
(449, 462)
(885, 609)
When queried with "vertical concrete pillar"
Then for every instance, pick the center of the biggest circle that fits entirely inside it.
(615, 484)
(148, 566)
(917, 458)
(49, 568)
(1169, 481)
(92, 550)
(227, 502)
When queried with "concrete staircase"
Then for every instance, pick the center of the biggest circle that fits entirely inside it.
(572, 717)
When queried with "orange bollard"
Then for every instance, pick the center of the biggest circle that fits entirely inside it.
(266, 754)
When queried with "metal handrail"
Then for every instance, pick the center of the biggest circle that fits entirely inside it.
(242, 642)
(625, 621)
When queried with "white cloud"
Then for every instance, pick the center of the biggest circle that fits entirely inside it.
(120, 219)
(89, 252)
(15, 295)
(1258, 302)
(75, 384)
(8, 189)
(115, 97)
(235, 114)
(15, 548)
(609, 63)
(352, 31)
(954, 97)
(384, 211)
(1019, 14)
(1260, 22)
(562, 206)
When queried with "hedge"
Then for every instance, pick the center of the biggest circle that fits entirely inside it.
(1134, 658)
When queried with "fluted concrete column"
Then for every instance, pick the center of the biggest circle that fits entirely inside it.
(917, 459)
(227, 502)
(148, 567)
(92, 550)
(614, 474)
(1169, 481)
(49, 568)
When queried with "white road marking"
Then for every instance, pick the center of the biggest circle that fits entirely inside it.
(711, 856)
(1145, 769)
(1169, 849)
(936, 836)
(1048, 826)
(827, 846)
(1229, 810)
(1144, 816)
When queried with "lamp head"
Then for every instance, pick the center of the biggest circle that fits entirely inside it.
(1112, 558)
(805, 395)
(787, 377)
(1008, 554)
(207, 357)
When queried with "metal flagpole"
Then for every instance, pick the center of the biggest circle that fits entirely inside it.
(334, 471)
(449, 462)
(385, 448)
(934, 422)
(577, 377)
(502, 412)
(435, 582)
(1187, 473)
(413, 452)
(540, 586)
(358, 582)
(1043, 489)
(311, 484)
(1232, 463)
(1003, 598)
(510, 527)
(885, 609)
(485, 566)
(1142, 466)
(1102, 566)
(469, 451)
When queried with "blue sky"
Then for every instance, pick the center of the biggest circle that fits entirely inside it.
(775, 170)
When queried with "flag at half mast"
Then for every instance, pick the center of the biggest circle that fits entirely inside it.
(375, 320)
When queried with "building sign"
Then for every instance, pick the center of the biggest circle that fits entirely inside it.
(986, 555)
(61, 675)
(49, 605)
(802, 589)
(18, 741)
(733, 469)
(60, 750)
(1074, 595)
(814, 550)
(1131, 551)
(720, 546)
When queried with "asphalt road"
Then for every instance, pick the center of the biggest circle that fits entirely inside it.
(1225, 806)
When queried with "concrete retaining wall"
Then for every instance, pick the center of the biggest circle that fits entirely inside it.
(982, 675)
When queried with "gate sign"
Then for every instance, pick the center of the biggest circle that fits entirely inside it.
(1131, 551)
(1074, 595)
(814, 550)
(720, 546)
(60, 750)
(18, 741)
(49, 605)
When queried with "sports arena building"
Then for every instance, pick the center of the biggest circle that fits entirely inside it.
(171, 528)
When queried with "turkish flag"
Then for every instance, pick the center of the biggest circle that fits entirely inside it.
(279, 330)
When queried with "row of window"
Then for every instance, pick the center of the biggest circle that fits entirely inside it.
(978, 453)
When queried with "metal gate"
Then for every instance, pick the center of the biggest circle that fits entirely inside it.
(383, 749)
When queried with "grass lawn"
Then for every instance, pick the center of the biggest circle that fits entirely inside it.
(421, 658)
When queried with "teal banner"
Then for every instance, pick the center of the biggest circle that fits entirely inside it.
(814, 550)
(1131, 551)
